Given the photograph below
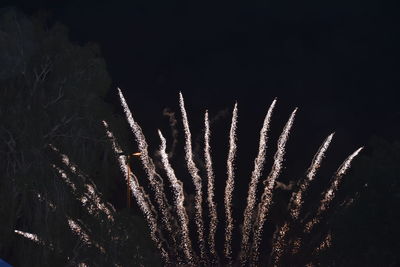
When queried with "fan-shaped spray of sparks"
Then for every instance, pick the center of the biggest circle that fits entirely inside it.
(255, 176)
(210, 190)
(266, 197)
(154, 178)
(141, 197)
(179, 200)
(194, 172)
(230, 182)
(249, 222)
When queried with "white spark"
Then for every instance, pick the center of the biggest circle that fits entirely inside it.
(296, 202)
(330, 193)
(230, 182)
(179, 201)
(255, 176)
(195, 177)
(266, 197)
(30, 236)
(141, 197)
(210, 190)
(297, 199)
(155, 180)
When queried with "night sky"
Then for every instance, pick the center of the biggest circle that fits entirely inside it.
(337, 61)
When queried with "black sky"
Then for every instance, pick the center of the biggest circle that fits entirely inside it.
(336, 60)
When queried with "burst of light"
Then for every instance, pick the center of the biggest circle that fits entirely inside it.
(251, 227)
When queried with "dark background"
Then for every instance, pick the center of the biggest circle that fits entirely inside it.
(337, 61)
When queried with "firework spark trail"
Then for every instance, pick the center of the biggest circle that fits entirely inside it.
(97, 203)
(325, 244)
(155, 179)
(30, 236)
(266, 197)
(194, 172)
(83, 236)
(210, 189)
(65, 178)
(36, 239)
(230, 182)
(297, 199)
(79, 232)
(296, 202)
(255, 176)
(65, 159)
(141, 197)
(330, 193)
(278, 244)
(91, 199)
(179, 200)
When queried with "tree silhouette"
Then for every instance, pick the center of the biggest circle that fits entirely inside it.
(52, 92)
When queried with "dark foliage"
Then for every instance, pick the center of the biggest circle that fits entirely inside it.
(52, 92)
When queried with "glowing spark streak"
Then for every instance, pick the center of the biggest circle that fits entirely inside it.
(194, 172)
(141, 197)
(279, 245)
(79, 232)
(64, 158)
(179, 200)
(210, 189)
(296, 202)
(330, 193)
(155, 180)
(229, 186)
(65, 177)
(255, 176)
(266, 197)
(83, 235)
(297, 199)
(325, 244)
(98, 205)
(29, 236)
(95, 204)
